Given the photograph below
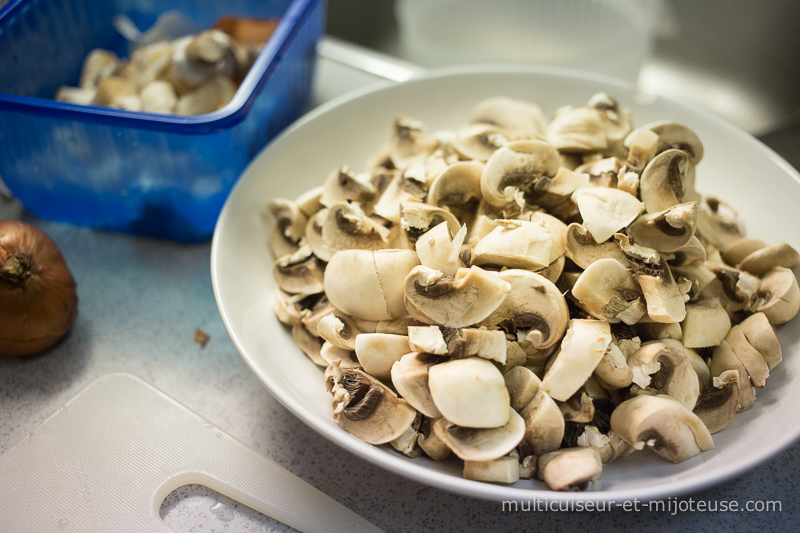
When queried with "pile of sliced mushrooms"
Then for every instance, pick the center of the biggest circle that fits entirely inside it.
(537, 298)
(190, 75)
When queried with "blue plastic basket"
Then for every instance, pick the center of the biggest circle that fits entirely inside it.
(156, 175)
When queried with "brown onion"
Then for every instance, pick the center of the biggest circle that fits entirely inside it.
(38, 298)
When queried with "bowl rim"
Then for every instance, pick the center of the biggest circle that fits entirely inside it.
(416, 471)
(232, 113)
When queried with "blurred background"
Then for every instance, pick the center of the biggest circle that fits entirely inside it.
(737, 58)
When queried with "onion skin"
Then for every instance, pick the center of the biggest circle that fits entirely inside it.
(38, 297)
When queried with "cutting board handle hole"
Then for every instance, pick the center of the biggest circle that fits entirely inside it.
(192, 503)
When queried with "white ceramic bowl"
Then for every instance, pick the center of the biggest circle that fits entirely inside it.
(736, 167)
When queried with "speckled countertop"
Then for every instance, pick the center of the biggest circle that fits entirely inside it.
(141, 302)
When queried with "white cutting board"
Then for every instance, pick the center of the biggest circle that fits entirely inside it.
(106, 460)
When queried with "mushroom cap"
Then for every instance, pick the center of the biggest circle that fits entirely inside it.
(457, 184)
(765, 259)
(339, 329)
(314, 238)
(570, 469)
(434, 298)
(675, 135)
(390, 201)
(741, 248)
(534, 305)
(605, 211)
(432, 445)
(368, 284)
(660, 368)
(481, 444)
(408, 142)
(779, 295)
(598, 126)
(717, 223)
(470, 392)
(663, 424)
(515, 167)
(607, 290)
(581, 351)
(377, 352)
(691, 253)
(308, 343)
(409, 376)
(663, 181)
(342, 184)
(368, 409)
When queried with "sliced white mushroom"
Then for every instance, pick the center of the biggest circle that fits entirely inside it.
(368, 409)
(606, 211)
(717, 223)
(289, 229)
(534, 309)
(516, 119)
(613, 368)
(457, 185)
(750, 358)
(662, 424)
(502, 470)
(390, 201)
(544, 423)
(432, 445)
(668, 230)
(377, 352)
(313, 235)
(434, 298)
(516, 167)
(607, 290)
(779, 296)
(660, 368)
(481, 444)
(439, 250)
(741, 248)
(691, 253)
(369, 284)
(347, 227)
(479, 141)
(570, 469)
(340, 357)
(761, 336)
(515, 244)
(718, 404)
(578, 409)
(342, 184)
(599, 126)
(663, 182)
(522, 385)
(308, 343)
(581, 351)
(299, 272)
(724, 359)
(408, 142)
(763, 260)
(416, 219)
(675, 135)
(664, 299)
(642, 145)
(706, 324)
(583, 250)
(410, 377)
(470, 392)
